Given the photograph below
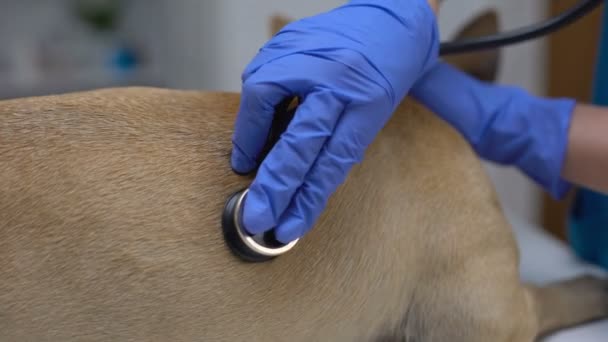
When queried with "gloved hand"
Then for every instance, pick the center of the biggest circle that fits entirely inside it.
(503, 124)
(351, 67)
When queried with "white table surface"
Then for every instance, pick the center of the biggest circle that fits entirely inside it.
(545, 259)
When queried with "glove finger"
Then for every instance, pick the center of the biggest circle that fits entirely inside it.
(287, 164)
(253, 121)
(345, 148)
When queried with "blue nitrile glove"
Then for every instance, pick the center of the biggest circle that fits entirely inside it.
(351, 67)
(504, 124)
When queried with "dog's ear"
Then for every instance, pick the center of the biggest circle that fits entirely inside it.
(277, 22)
(483, 24)
(483, 64)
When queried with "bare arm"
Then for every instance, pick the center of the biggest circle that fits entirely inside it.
(587, 156)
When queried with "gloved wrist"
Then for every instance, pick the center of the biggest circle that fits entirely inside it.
(531, 133)
(425, 34)
(416, 23)
(503, 124)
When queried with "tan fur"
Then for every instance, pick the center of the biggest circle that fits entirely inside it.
(110, 205)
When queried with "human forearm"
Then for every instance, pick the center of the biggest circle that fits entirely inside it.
(586, 160)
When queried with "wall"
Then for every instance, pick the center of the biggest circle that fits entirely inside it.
(47, 49)
(213, 40)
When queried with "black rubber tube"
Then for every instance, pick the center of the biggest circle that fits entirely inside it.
(526, 33)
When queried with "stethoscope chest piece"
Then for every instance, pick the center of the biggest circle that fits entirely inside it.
(259, 248)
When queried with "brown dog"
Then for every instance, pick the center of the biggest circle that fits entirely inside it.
(110, 206)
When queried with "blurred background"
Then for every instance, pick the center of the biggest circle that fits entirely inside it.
(49, 47)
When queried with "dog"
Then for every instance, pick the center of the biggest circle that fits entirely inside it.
(110, 211)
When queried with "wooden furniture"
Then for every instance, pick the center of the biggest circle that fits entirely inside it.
(571, 64)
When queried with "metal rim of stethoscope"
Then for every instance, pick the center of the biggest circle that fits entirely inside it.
(581, 9)
(251, 248)
(266, 247)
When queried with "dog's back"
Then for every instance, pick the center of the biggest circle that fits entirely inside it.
(110, 209)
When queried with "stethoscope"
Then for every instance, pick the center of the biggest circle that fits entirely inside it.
(265, 247)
